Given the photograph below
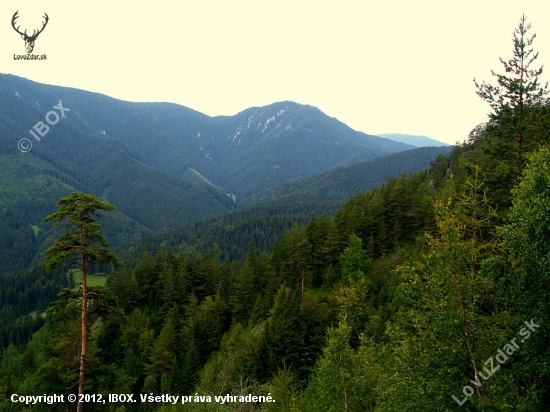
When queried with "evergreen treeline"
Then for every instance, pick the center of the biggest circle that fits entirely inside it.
(24, 298)
(232, 232)
(159, 323)
(429, 293)
(262, 222)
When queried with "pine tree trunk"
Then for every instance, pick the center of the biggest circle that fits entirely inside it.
(84, 345)
(303, 282)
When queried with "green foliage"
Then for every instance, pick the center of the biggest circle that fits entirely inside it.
(449, 321)
(283, 339)
(162, 357)
(343, 379)
(283, 389)
(354, 261)
(11, 369)
(528, 233)
(82, 240)
(186, 322)
(526, 239)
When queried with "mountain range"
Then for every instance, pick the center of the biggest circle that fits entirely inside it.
(161, 164)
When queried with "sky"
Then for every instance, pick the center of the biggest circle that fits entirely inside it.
(394, 66)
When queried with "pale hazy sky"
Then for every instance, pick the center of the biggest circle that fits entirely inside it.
(396, 66)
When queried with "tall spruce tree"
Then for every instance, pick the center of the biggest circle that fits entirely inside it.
(511, 131)
(82, 244)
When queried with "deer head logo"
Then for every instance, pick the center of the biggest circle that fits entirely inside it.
(29, 40)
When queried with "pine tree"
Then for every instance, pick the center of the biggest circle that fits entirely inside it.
(331, 247)
(511, 132)
(244, 287)
(81, 244)
(283, 390)
(162, 357)
(283, 337)
(354, 261)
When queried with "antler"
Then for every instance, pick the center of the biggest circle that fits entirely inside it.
(34, 34)
(15, 16)
(43, 26)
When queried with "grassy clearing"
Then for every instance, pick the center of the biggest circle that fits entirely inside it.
(92, 280)
(192, 176)
(36, 229)
(33, 315)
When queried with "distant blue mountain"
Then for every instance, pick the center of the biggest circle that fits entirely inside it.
(418, 141)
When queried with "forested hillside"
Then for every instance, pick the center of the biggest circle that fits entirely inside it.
(278, 209)
(428, 293)
(32, 185)
(340, 183)
(182, 165)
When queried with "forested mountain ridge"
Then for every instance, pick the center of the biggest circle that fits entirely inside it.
(179, 164)
(242, 154)
(340, 183)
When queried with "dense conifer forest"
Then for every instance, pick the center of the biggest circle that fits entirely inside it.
(427, 293)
